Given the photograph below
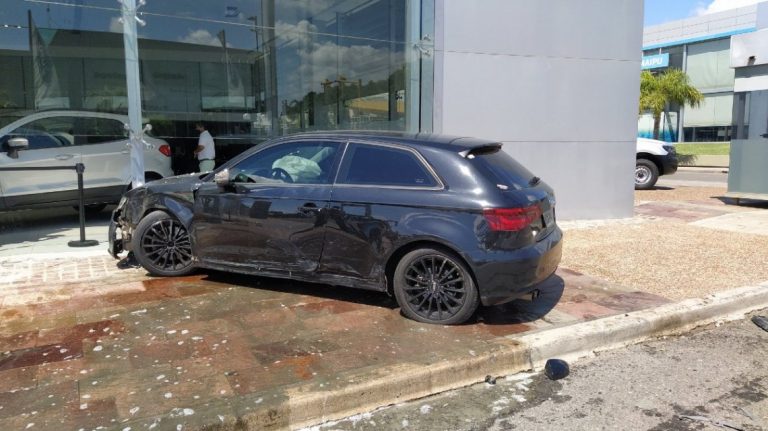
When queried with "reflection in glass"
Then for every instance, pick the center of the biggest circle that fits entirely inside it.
(250, 69)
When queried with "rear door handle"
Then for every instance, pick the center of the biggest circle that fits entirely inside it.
(64, 156)
(126, 151)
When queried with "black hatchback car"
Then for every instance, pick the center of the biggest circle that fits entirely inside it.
(443, 223)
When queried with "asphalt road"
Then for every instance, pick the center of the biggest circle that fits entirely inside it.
(706, 177)
(716, 375)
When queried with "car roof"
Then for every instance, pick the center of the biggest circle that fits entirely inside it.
(447, 142)
(57, 113)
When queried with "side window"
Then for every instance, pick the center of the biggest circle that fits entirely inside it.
(384, 166)
(48, 132)
(100, 130)
(295, 162)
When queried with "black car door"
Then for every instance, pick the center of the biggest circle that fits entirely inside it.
(271, 217)
(378, 186)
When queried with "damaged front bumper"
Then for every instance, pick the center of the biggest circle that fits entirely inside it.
(115, 243)
(117, 231)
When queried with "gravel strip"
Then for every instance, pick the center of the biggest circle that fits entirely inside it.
(664, 256)
(670, 259)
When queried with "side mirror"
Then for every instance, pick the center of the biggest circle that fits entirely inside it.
(221, 178)
(15, 145)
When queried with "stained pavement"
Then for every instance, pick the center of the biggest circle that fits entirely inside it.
(85, 344)
(118, 349)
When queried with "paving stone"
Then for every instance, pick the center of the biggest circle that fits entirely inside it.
(18, 341)
(626, 302)
(38, 400)
(586, 310)
(41, 355)
(141, 350)
(17, 379)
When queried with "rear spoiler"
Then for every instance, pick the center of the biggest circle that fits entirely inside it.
(480, 150)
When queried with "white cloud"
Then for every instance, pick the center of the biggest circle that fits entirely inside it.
(319, 59)
(201, 37)
(721, 5)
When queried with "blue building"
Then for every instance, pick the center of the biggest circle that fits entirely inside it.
(700, 46)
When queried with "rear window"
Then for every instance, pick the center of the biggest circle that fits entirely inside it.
(384, 166)
(501, 168)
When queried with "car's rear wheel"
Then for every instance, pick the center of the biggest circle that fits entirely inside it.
(162, 245)
(433, 286)
(646, 174)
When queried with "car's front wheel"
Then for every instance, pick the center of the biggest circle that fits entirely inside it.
(162, 245)
(433, 286)
(646, 174)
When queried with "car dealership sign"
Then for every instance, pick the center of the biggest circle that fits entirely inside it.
(655, 61)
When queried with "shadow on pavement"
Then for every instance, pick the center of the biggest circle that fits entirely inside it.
(522, 310)
(747, 203)
(53, 225)
(525, 310)
(337, 293)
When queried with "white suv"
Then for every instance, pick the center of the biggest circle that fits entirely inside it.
(64, 138)
(654, 158)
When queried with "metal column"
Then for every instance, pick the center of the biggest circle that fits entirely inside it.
(133, 88)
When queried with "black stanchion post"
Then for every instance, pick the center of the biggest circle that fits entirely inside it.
(80, 168)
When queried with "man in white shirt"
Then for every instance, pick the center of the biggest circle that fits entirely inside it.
(205, 151)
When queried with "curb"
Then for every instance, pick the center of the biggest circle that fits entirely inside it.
(584, 339)
(305, 405)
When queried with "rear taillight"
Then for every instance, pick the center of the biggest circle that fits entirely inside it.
(165, 149)
(511, 219)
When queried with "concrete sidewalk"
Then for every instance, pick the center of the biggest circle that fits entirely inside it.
(88, 344)
(114, 347)
(34, 232)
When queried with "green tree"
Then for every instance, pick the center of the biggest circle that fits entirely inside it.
(658, 91)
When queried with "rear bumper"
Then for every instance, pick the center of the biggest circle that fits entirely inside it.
(508, 275)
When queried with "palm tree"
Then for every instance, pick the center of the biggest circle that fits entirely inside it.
(657, 92)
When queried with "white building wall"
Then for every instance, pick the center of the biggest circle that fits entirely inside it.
(561, 95)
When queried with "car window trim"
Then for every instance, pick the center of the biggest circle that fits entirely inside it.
(439, 185)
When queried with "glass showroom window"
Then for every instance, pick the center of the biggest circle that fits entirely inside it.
(271, 67)
(56, 56)
(256, 69)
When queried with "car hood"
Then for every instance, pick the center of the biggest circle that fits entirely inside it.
(181, 183)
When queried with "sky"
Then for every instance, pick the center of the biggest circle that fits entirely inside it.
(661, 11)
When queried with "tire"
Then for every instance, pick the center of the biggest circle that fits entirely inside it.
(433, 286)
(646, 174)
(162, 245)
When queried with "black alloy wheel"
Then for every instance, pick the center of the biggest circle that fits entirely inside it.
(432, 286)
(162, 245)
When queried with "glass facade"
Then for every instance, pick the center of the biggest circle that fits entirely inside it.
(250, 69)
(669, 125)
(708, 67)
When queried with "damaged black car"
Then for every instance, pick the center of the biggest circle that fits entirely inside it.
(442, 223)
